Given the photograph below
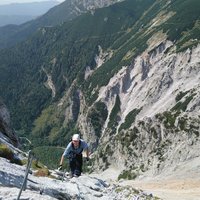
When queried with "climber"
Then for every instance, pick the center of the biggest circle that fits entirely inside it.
(73, 152)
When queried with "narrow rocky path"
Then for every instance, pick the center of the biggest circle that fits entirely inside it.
(176, 189)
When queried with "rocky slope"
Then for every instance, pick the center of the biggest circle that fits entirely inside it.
(6, 131)
(54, 185)
(44, 188)
(165, 124)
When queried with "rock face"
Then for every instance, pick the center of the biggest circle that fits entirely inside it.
(5, 126)
(157, 122)
(159, 95)
(83, 187)
(90, 4)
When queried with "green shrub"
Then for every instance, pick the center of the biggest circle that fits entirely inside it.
(130, 118)
(113, 119)
(180, 95)
(97, 116)
(169, 119)
(7, 153)
(183, 105)
(127, 174)
(182, 123)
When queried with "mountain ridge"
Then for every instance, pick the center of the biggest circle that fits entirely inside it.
(65, 11)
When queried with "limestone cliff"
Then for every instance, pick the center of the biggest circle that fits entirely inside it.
(6, 130)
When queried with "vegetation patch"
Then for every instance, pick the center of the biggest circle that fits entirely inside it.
(190, 38)
(113, 119)
(182, 106)
(130, 118)
(160, 150)
(169, 119)
(97, 116)
(180, 95)
(182, 122)
(49, 155)
(6, 152)
(181, 22)
(128, 174)
(104, 153)
(47, 126)
(88, 165)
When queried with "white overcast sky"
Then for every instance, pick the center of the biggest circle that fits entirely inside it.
(3, 2)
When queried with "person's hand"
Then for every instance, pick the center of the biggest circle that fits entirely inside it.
(87, 159)
(60, 167)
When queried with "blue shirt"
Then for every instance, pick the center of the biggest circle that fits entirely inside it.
(71, 150)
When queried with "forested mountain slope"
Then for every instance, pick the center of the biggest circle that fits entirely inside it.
(69, 9)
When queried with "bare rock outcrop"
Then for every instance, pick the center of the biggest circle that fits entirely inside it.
(6, 130)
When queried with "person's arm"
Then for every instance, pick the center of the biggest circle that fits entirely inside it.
(61, 160)
(66, 152)
(87, 153)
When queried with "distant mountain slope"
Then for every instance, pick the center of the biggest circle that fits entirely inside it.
(15, 19)
(69, 9)
(34, 8)
(18, 13)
